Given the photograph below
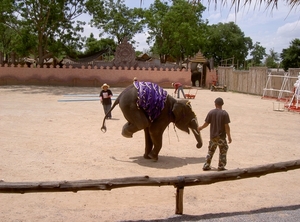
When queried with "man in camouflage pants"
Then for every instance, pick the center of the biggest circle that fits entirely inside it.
(219, 127)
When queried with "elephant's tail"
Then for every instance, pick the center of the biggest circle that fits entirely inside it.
(103, 128)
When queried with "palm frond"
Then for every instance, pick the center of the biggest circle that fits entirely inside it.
(237, 4)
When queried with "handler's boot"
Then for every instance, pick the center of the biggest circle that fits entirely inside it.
(221, 168)
(206, 167)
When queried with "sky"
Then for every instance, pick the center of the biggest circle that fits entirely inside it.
(273, 29)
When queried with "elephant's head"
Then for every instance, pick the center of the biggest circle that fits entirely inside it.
(185, 118)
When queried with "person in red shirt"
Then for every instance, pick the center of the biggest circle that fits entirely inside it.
(178, 88)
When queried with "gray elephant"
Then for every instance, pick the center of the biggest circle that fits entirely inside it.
(199, 74)
(148, 107)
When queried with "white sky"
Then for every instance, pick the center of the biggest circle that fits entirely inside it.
(273, 29)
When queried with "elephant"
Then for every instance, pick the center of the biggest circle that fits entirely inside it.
(199, 73)
(146, 106)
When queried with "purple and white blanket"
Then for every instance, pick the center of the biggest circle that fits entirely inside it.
(151, 98)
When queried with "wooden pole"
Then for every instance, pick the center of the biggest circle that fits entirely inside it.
(179, 200)
(178, 182)
(179, 195)
(109, 184)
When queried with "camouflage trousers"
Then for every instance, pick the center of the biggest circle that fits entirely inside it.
(223, 147)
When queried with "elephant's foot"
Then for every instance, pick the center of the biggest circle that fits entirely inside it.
(126, 134)
(129, 129)
(146, 156)
(153, 157)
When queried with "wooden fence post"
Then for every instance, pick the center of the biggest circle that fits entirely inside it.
(179, 195)
(179, 200)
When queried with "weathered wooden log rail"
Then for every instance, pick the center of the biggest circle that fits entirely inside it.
(178, 182)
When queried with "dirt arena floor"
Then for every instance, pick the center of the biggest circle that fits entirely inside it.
(53, 134)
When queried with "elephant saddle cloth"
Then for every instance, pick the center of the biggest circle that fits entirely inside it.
(151, 98)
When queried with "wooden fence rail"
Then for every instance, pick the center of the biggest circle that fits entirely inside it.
(178, 182)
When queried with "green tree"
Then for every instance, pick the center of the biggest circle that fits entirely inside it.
(6, 12)
(116, 19)
(154, 19)
(49, 24)
(226, 40)
(258, 53)
(177, 30)
(7, 25)
(93, 45)
(272, 60)
(6, 38)
(25, 42)
(291, 56)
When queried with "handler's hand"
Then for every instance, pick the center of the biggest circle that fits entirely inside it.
(229, 139)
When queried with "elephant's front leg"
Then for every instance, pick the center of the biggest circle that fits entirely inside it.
(148, 143)
(129, 129)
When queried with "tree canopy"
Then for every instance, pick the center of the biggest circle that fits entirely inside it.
(47, 28)
(226, 40)
(115, 18)
(43, 27)
(258, 53)
(291, 56)
(272, 60)
(176, 30)
(92, 45)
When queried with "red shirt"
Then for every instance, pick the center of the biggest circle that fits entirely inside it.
(177, 85)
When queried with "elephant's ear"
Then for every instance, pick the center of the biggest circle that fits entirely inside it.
(179, 111)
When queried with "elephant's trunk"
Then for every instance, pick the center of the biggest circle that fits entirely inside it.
(196, 133)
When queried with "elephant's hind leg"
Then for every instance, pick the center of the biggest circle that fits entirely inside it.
(156, 131)
(157, 142)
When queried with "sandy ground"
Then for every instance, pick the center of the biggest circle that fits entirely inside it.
(47, 137)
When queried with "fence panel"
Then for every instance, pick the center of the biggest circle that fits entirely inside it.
(252, 81)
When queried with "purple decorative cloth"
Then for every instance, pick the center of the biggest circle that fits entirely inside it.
(151, 98)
